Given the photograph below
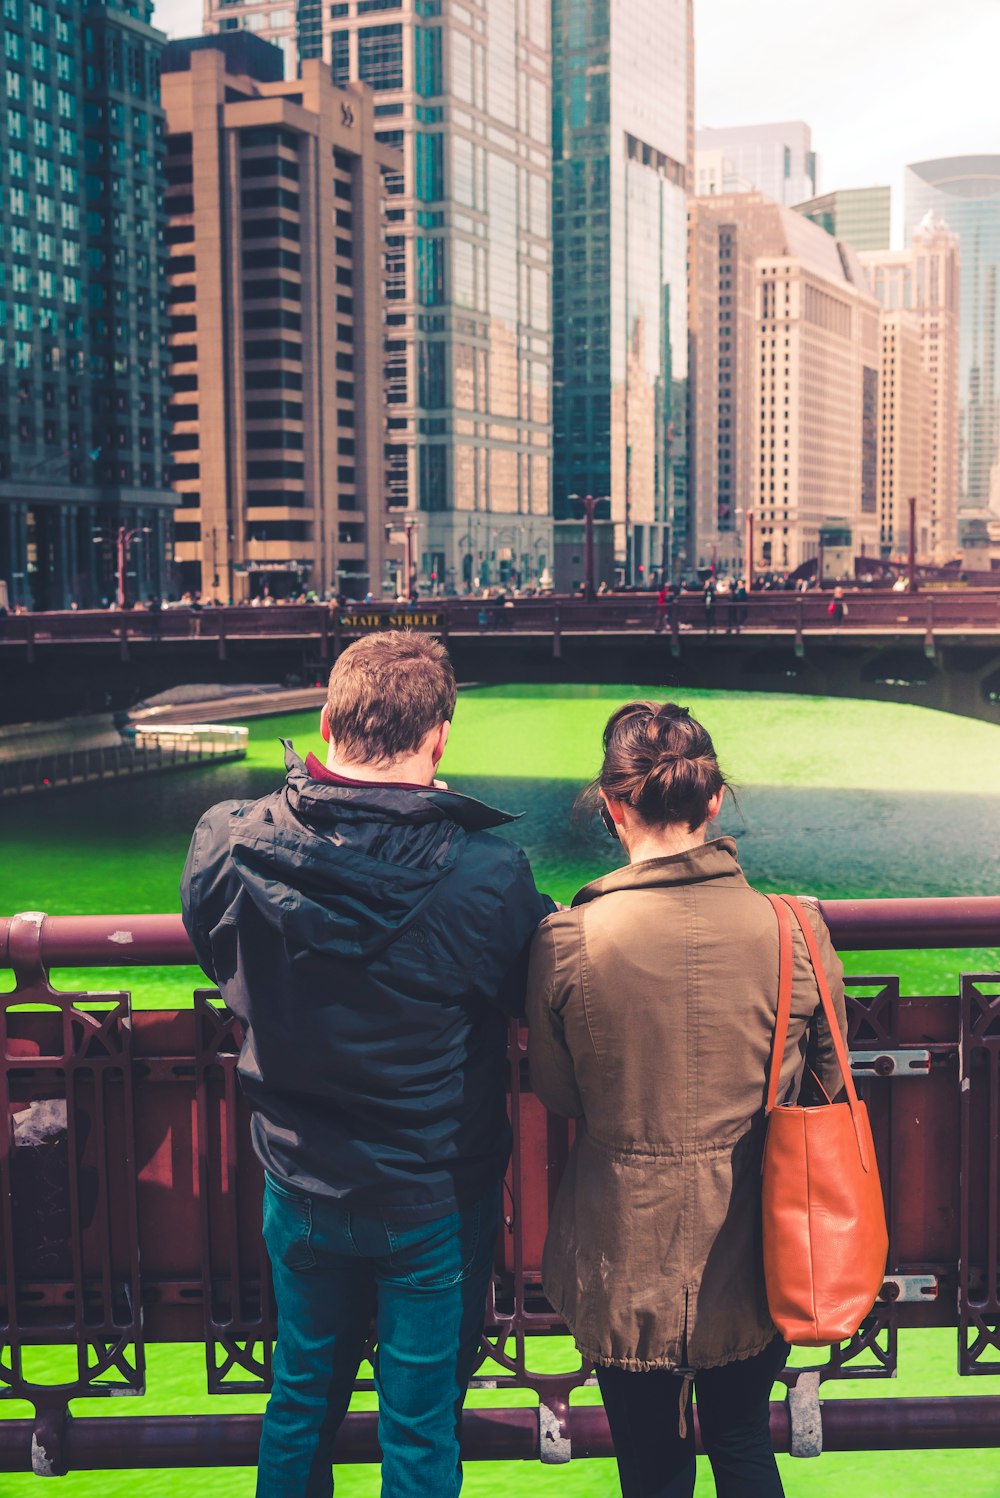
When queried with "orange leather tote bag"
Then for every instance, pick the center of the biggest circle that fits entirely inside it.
(825, 1239)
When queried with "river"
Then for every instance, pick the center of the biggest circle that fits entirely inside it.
(832, 798)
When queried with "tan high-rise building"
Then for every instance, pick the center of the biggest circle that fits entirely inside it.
(784, 386)
(904, 433)
(275, 205)
(924, 282)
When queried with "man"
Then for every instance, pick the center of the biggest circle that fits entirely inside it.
(372, 933)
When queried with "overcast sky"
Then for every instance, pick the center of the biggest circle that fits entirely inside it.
(881, 82)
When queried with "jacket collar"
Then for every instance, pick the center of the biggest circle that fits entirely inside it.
(713, 860)
(395, 803)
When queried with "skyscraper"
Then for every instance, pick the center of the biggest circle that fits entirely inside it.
(905, 408)
(623, 111)
(276, 209)
(464, 92)
(784, 385)
(858, 215)
(964, 191)
(778, 160)
(923, 283)
(84, 499)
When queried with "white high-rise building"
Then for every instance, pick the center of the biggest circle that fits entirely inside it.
(923, 283)
(784, 360)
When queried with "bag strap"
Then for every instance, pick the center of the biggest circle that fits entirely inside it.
(783, 904)
(784, 1000)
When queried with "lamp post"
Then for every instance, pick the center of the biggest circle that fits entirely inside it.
(124, 537)
(911, 560)
(747, 515)
(409, 535)
(467, 548)
(589, 504)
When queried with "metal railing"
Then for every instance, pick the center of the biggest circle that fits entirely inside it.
(142, 752)
(130, 1207)
(974, 610)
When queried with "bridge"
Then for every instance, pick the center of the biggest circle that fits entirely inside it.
(937, 649)
(130, 1211)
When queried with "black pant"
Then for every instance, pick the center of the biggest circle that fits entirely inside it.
(656, 1461)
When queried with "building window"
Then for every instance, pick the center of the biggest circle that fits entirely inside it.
(427, 60)
(340, 56)
(380, 56)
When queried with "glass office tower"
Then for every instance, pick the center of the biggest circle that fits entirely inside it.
(85, 502)
(860, 216)
(623, 109)
(465, 92)
(965, 192)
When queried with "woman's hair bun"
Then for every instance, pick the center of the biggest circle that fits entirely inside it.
(660, 761)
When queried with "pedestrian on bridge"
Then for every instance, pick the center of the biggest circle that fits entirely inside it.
(651, 1009)
(709, 598)
(371, 932)
(837, 608)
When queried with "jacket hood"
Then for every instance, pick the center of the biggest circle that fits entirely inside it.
(715, 859)
(343, 870)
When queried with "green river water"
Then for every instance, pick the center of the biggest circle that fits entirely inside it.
(836, 799)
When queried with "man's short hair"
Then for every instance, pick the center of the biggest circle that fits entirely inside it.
(386, 693)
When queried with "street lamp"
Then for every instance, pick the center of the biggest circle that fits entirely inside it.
(409, 537)
(124, 537)
(468, 546)
(747, 516)
(590, 503)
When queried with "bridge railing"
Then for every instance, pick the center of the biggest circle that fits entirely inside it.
(130, 1208)
(973, 609)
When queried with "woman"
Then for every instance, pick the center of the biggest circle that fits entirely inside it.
(651, 1008)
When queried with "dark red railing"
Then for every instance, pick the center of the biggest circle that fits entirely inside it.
(130, 1207)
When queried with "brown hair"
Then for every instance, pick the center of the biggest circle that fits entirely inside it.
(386, 693)
(661, 762)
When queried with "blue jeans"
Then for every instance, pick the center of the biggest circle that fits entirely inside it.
(426, 1287)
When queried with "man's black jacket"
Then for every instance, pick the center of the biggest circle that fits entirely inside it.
(373, 940)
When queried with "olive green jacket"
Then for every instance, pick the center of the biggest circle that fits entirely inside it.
(651, 1009)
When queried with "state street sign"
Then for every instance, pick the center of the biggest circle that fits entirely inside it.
(402, 618)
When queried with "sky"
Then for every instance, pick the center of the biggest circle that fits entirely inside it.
(881, 82)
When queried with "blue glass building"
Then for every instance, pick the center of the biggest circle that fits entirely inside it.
(965, 192)
(83, 388)
(623, 110)
(465, 92)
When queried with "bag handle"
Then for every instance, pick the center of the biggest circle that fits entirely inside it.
(784, 1000)
(783, 904)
